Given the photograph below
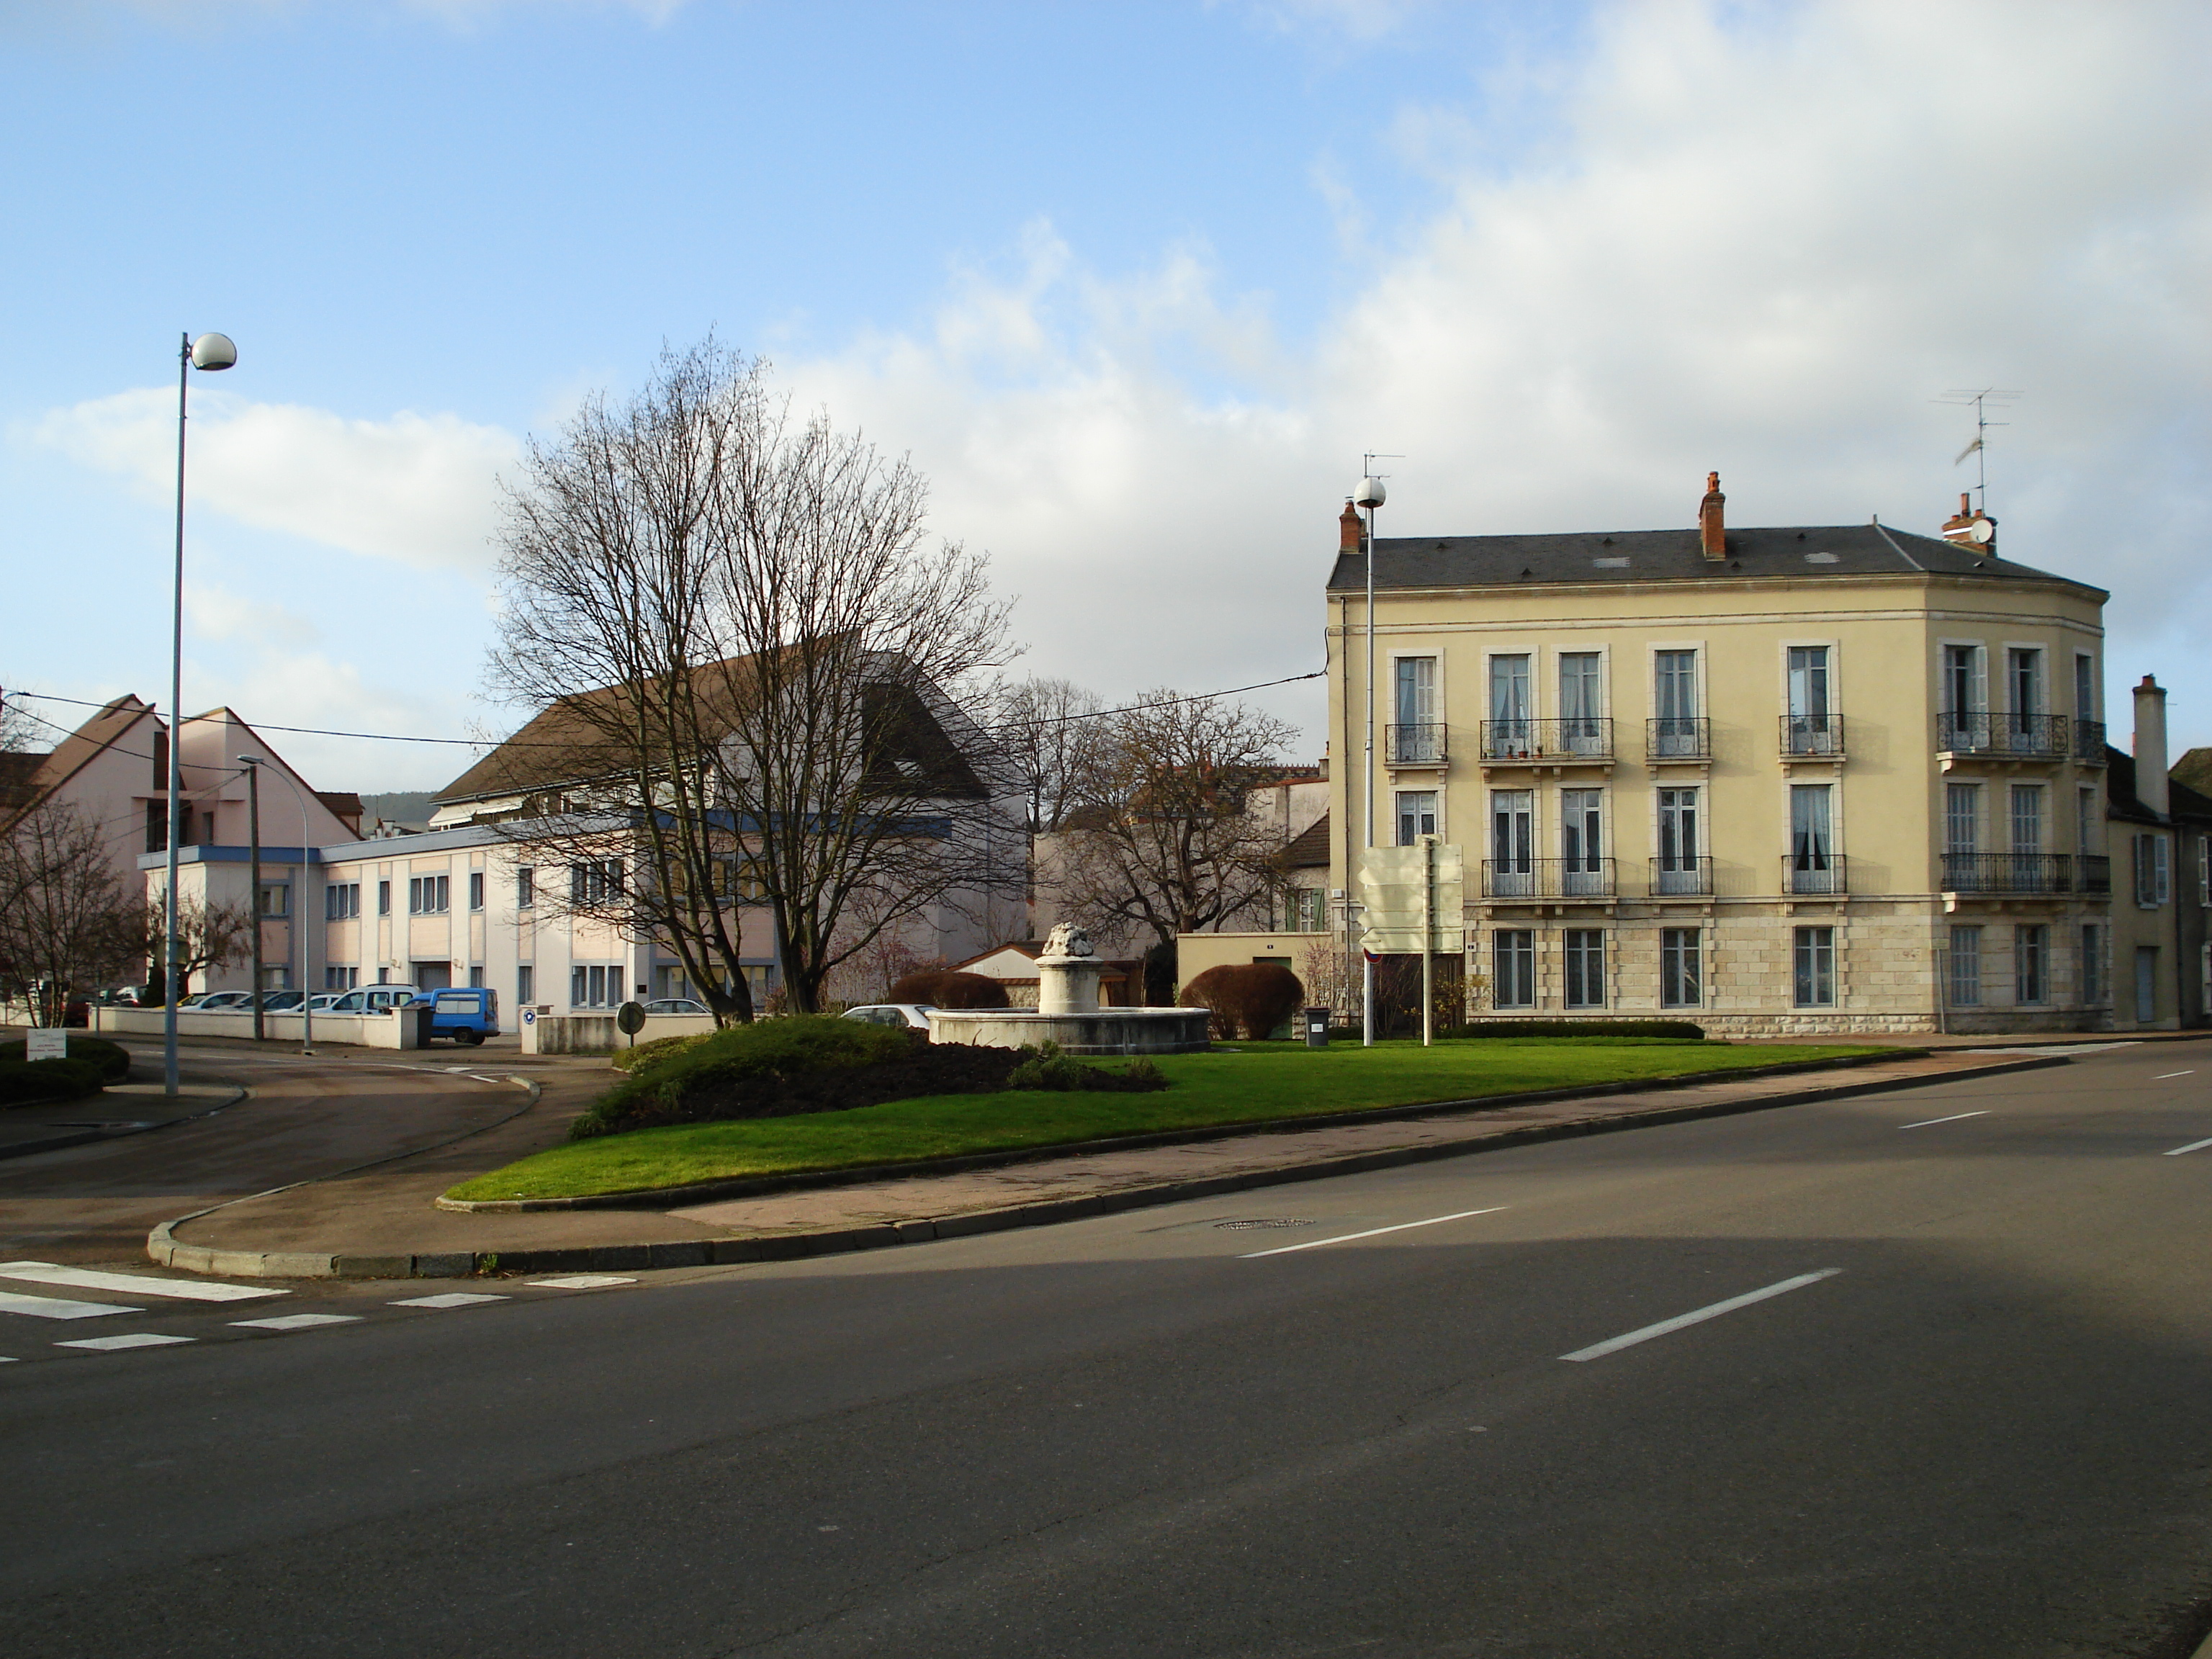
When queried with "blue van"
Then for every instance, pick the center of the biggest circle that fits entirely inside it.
(469, 1014)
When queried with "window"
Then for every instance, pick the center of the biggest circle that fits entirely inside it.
(2085, 687)
(1682, 983)
(1512, 842)
(1581, 726)
(595, 882)
(525, 985)
(1585, 967)
(476, 890)
(475, 975)
(384, 898)
(526, 888)
(342, 901)
(1678, 841)
(2153, 877)
(595, 985)
(1962, 815)
(1417, 738)
(1581, 863)
(157, 826)
(2204, 870)
(2087, 819)
(1509, 711)
(1513, 967)
(340, 978)
(276, 979)
(427, 896)
(1809, 683)
(2024, 680)
(1965, 967)
(275, 898)
(1417, 815)
(2027, 818)
(2031, 963)
(161, 773)
(1813, 978)
(1306, 911)
(1965, 697)
(1812, 839)
(1674, 687)
(2092, 963)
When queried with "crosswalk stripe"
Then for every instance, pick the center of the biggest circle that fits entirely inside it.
(297, 1321)
(580, 1282)
(135, 1340)
(92, 1279)
(448, 1299)
(55, 1307)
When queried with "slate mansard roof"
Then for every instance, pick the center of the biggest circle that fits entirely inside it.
(1648, 555)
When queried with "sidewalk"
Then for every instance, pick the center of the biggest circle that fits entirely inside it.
(382, 1223)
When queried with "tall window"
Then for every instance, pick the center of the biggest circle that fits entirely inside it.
(1580, 709)
(428, 896)
(1513, 967)
(1675, 701)
(1418, 738)
(1965, 967)
(476, 890)
(1512, 842)
(1581, 848)
(2092, 963)
(2153, 878)
(1681, 981)
(1811, 731)
(1814, 964)
(1417, 815)
(1510, 710)
(2085, 687)
(1962, 818)
(384, 898)
(1678, 841)
(2031, 963)
(2024, 685)
(2027, 818)
(525, 985)
(2086, 819)
(1965, 696)
(1585, 967)
(1812, 838)
(526, 888)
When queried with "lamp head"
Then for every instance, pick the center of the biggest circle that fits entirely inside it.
(1370, 492)
(214, 351)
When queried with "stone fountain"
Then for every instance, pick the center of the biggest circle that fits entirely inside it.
(1067, 1013)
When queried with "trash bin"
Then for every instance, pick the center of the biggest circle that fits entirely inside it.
(1316, 1021)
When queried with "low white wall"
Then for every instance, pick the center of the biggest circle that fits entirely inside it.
(545, 1032)
(366, 1030)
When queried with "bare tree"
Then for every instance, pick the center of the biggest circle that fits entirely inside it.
(1049, 731)
(65, 922)
(207, 936)
(1164, 839)
(747, 660)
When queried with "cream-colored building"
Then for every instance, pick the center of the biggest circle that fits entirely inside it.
(1836, 778)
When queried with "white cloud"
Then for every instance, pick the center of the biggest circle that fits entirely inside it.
(418, 489)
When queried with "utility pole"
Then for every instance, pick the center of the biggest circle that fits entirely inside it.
(253, 882)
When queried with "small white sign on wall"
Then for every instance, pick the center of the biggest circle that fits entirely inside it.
(45, 1042)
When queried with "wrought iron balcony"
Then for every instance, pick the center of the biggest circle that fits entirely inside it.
(2016, 737)
(1678, 738)
(1813, 737)
(2096, 872)
(1672, 878)
(1818, 874)
(2089, 742)
(2008, 873)
(1548, 879)
(1577, 737)
(1420, 744)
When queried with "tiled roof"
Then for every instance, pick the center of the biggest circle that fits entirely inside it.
(1309, 849)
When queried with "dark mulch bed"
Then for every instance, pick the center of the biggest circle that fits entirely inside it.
(943, 1068)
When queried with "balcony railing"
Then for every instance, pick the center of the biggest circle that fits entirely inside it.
(1579, 737)
(1547, 878)
(2096, 872)
(2029, 736)
(1811, 737)
(2008, 873)
(1673, 877)
(1420, 744)
(1814, 873)
(1678, 737)
(2089, 742)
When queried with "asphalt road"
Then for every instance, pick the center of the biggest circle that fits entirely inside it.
(1982, 1428)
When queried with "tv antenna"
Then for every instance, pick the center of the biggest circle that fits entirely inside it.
(1985, 400)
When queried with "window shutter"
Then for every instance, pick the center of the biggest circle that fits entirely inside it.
(2159, 871)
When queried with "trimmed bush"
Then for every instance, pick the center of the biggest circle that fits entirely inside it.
(1578, 1027)
(111, 1059)
(1048, 1068)
(660, 1048)
(28, 1083)
(946, 987)
(1247, 1000)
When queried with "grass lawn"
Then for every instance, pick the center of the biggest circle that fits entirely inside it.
(1239, 1084)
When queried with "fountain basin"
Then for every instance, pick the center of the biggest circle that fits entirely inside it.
(1087, 1032)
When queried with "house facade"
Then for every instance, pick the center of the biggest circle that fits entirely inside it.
(1798, 779)
(2160, 831)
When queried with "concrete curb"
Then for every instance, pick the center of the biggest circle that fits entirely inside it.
(717, 1252)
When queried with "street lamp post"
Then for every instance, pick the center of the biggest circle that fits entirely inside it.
(302, 914)
(208, 353)
(1372, 495)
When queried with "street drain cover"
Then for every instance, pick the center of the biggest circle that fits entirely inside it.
(1263, 1221)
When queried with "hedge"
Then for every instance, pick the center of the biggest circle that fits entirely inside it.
(26, 1084)
(111, 1059)
(1577, 1028)
(1247, 1000)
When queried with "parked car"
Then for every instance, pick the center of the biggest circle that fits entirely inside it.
(467, 1014)
(198, 999)
(322, 1001)
(376, 999)
(282, 1002)
(211, 1002)
(914, 1016)
(677, 1005)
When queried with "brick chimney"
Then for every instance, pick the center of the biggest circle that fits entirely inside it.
(1348, 529)
(1970, 527)
(1712, 534)
(2150, 746)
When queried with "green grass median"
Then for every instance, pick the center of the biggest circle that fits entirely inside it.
(1244, 1083)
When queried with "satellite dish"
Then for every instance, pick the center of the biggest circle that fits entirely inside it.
(1370, 492)
(1981, 530)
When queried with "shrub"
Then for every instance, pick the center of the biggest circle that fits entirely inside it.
(1048, 1068)
(650, 1054)
(1578, 1027)
(945, 987)
(111, 1059)
(27, 1083)
(1247, 1000)
(776, 1051)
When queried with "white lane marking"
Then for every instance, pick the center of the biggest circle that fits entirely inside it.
(1372, 1232)
(55, 1307)
(2162, 1075)
(2193, 1146)
(580, 1282)
(137, 1339)
(297, 1321)
(1616, 1344)
(448, 1299)
(7, 1359)
(90, 1278)
(1954, 1118)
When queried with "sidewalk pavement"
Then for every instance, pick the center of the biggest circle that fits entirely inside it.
(383, 1222)
(121, 1109)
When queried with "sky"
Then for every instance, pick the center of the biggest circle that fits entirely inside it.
(1135, 285)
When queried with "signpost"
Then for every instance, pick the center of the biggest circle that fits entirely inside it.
(630, 1017)
(45, 1042)
(1415, 899)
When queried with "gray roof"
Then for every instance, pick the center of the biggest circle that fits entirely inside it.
(1646, 556)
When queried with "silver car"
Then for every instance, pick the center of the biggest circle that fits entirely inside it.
(912, 1016)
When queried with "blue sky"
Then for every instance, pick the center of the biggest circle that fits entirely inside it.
(1135, 284)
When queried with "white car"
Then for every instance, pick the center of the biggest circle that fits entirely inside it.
(214, 1001)
(376, 999)
(914, 1016)
(677, 1005)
